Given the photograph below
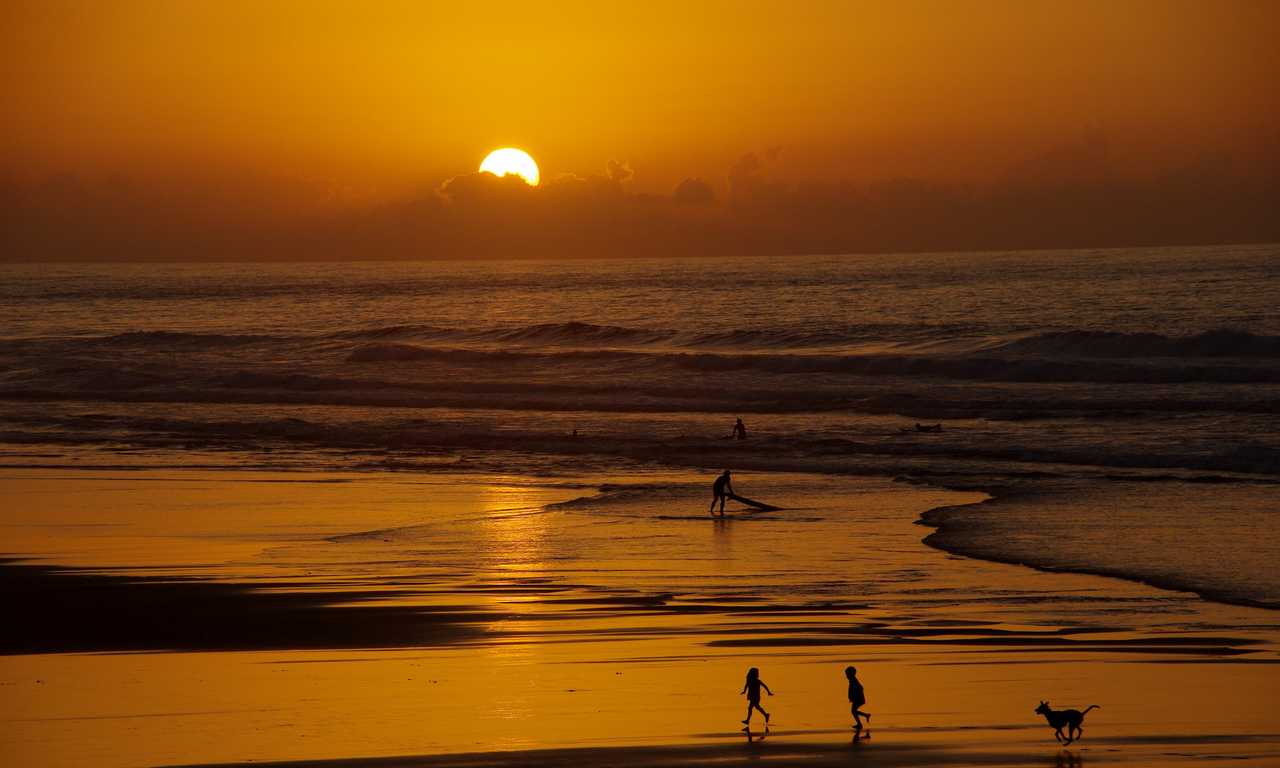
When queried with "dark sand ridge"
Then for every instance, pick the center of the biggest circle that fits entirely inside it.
(61, 610)
(67, 610)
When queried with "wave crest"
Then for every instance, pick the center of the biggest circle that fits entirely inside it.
(1222, 342)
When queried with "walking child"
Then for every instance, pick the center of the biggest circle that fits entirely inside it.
(857, 698)
(752, 689)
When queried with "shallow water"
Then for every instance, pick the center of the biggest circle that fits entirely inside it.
(1078, 365)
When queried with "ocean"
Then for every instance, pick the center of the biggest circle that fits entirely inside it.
(1120, 407)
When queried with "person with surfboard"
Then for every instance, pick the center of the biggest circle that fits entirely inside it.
(720, 492)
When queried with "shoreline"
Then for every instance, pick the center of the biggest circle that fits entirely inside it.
(949, 529)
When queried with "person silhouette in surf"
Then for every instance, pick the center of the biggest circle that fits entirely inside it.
(857, 698)
(739, 430)
(720, 492)
(752, 689)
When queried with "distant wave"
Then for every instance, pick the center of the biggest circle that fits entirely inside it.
(176, 338)
(1216, 343)
(551, 334)
(579, 334)
(962, 367)
(938, 339)
(824, 349)
(575, 332)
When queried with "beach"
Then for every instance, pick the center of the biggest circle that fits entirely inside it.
(480, 617)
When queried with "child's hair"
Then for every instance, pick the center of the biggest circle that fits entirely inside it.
(850, 672)
(753, 673)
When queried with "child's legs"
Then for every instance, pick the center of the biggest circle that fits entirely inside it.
(756, 704)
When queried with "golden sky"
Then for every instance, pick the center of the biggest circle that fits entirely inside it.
(318, 106)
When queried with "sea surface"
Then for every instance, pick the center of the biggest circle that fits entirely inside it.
(1122, 407)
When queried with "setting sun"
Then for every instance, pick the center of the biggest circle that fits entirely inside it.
(500, 162)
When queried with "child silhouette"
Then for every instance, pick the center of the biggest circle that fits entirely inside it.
(856, 698)
(752, 689)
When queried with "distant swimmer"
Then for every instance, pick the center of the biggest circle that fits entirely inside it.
(752, 689)
(923, 428)
(739, 430)
(720, 492)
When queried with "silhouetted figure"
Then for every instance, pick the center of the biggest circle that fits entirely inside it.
(752, 689)
(857, 698)
(739, 430)
(1071, 719)
(719, 492)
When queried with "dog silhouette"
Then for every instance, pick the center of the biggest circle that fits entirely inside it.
(1071, 719)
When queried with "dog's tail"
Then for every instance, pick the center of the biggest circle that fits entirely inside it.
(1091, 706)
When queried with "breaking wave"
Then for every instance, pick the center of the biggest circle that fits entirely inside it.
(1215, 343)
(955, 351)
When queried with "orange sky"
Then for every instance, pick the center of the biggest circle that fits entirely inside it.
(318, 106)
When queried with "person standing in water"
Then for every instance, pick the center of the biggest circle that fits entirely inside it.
(739, 430)
(722, 489)
(752, 689)
(857, 698)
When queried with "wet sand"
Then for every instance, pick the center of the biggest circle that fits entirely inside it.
(769, 749)
(183, 618)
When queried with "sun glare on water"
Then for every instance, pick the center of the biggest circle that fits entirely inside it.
(500, 162)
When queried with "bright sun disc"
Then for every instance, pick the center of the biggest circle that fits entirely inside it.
(500, 162)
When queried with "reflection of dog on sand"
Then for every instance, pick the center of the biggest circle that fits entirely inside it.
(1071, 719)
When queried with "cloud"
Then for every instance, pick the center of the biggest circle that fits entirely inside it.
(744, 174)
(749, 185)
(693, 192)
(484, 187)
(619, 172)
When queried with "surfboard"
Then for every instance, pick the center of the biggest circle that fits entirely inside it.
(752, 503)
